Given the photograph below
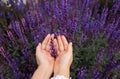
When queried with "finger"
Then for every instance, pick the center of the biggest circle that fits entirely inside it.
(60, 44)
(48, 44)
(56, 45)
(65, 43)
(38, 48)
(44, 43)
(52, 36)
(70, 47)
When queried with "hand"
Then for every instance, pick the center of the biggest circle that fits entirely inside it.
(44, 60)
(65, 56)
(43, 56)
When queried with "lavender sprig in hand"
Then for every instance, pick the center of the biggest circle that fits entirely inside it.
(53, 51)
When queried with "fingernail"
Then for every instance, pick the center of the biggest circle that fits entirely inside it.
(39, 44)
(58, 36)
(62, 35)
(71, 43)
(48, 34)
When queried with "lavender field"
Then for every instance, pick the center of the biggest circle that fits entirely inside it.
(92, 25)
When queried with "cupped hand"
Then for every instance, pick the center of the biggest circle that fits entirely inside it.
(43, 56)
(44, 60)
(64, 58)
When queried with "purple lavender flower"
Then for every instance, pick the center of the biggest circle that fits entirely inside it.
(109, 66)
(2, 38)
(53, 51)
(115, 36)
(115, 7)
(103, 17)
(23, 40)
(96, 29)
(100, 55)
(95, 74)
(24, 23)
(46, 3)
(1, 74)
(81, 73)
(11, 2)
(12, 38)
(83, 38)
(19, 6)
(10, 62)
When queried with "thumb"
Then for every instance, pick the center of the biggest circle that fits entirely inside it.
(38, 48)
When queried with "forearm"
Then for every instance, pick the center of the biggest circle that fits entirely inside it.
(42, 73)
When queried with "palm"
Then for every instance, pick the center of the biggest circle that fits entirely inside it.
(61, 58)
(43, 56)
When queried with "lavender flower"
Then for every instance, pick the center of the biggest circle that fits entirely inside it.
(100, 55)
(83, 38)
(1, 75)
(111, 64)
(19, 6)
(53, 51)
(115, 7)
(95, 74)
(81, 73)
(103, 17)
(11, 63)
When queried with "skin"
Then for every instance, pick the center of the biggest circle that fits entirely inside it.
(44, 60)
(65, 56)
(47, 64)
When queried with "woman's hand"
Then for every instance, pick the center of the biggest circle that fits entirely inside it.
(43, 56)
(44, 60)
(65, 56)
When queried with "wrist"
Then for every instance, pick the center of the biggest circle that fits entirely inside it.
(45, 70)
(42, 72)
(64, 71)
